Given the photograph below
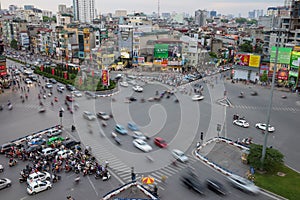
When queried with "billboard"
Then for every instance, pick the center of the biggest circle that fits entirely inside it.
(105, 77)
(242, 59)
(284, 55)
(161, 50)
(295, 62)
(174, 51)
(254, 61)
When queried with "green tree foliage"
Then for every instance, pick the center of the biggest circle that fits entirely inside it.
(241, 20)
(246, 47)
(273, 158)
(213, 54)
(264, 77)
(14, 44)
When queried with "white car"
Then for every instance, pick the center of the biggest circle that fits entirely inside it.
(4, 183)
(243, 184)
(142, 145)
(49, 86)
(139, 135)
(137, 88)
(241, 123)
(197, 97)
(89, 116)
(132, 82)
(28, 81)
(38, 186)
(103, 115)
(124, 84)
(76, 93)
(49, 151)
(65, 153)
(179, 155)
(53, 132)
(38, 176)
(262, 126)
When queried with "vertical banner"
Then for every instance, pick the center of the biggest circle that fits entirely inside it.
(67, 66)
(52, 71)
(105, 77)
(93, 73)
(42, 68)
(80, 80)
(65, 75)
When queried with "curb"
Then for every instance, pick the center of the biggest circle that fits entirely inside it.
(226, 171)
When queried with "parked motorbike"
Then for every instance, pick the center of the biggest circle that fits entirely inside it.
(1, 168)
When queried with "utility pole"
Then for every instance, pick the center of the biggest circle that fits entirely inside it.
(270, 102)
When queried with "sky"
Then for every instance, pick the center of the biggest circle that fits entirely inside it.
(225, 7)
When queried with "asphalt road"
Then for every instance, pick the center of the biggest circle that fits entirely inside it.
(154, 119)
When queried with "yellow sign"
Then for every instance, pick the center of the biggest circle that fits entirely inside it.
(254, 61)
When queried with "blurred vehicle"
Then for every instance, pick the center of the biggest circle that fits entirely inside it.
(139, 135)
(192, 182)
(262, 126)
(70, 144)
(34, 148)
(243, 184)
(124, 84)
(4, 183)
(89, 116)
(6, 147)
(132, 126)
(70, 87)
(76, 93)
(103, 115)
(142, 145)
(53, 132)
(38, 186)
(52, 80)
(69, 98)
(28, 81)
(197, 97)
(216, 186)
(49, 151)
(132, 99)
(179, 155)
(137, 88)
(120, 129)
(37, 141)
(160, 142)
(60, 88)
(64, 153)
(241, 123)
(54, 139)
(49, 86)
(90, 95)
(38, 176)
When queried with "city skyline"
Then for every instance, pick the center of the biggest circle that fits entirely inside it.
(234, 7)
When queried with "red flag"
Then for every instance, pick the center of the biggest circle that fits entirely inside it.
(52, 71)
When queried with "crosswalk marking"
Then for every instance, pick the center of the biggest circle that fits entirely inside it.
(275, 108)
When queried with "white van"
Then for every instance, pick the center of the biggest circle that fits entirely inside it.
(53, 132)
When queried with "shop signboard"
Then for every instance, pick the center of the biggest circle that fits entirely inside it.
(174, 51)
(161, 50)
(263, 69)
(294, 64)
(242, 59)
(284, 55)
(105, 77)
(283, 74)
(254, 61)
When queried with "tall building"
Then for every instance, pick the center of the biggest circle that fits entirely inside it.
(200, 17)
(62, 8)
(28, 7)
(84, 10)
(213, 14)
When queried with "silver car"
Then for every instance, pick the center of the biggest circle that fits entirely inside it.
(4, 183)
(243, 184)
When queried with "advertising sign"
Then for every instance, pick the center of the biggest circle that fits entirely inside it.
(141, 59)
(263, 68)
(242, 59)
(105, 77)
(283, 74)
(254, 61)
(295, 62)
(284, 55)
(161, 50)
(174, 51)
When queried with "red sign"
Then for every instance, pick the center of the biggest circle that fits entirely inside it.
(242, 59)
(3, 73)
(105, 77)
(65, 75)
(42, 68)
(52, 71)
(283, 74)
(2, 67)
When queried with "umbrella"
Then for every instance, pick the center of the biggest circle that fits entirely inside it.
(148, 180)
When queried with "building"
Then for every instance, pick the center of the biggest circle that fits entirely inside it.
(84, 10)
(28, 7)
(62, 8)
(47, 13)
(63, 19)
(120, 13)
(200, 17)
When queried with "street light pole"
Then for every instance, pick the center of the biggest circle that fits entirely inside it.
(270, 102)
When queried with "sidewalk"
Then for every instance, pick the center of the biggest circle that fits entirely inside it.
(225, 155)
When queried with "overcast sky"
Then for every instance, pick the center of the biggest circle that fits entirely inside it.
(148, 6)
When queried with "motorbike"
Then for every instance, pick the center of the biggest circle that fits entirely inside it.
(56, 178)
(1, 168)
(73, 128)
(77, 179)
(1, 107)
(104, 124)
(106, 176)
(10, 107)
(23, 178)
(12, 163)
(118, 140)
(241, 95)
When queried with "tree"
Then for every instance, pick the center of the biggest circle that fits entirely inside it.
(273, 159)
(246, 47)
(14, 44)
(264, 77)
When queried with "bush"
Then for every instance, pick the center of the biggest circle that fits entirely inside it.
(273, 159)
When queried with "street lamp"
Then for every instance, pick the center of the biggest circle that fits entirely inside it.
(279, 31)
(61, 116)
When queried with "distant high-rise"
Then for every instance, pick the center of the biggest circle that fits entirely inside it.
(213, 14)
(62, 8)
(200, 17)
(28, 7)
(84, 10)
